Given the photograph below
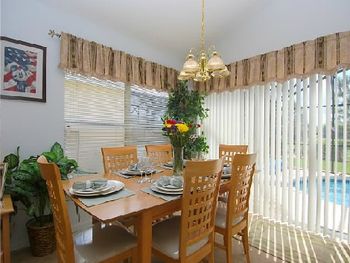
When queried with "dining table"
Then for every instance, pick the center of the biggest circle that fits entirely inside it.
(144, 207)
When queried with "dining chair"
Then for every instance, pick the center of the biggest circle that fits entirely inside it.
(229, 151)
(160, 154)
(232, 215)
(118, 158)
(190, 237)
(93, 244)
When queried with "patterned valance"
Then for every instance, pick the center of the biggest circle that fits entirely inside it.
(324, 55)
(92, 59)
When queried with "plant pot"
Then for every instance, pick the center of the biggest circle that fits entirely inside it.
(41, 238)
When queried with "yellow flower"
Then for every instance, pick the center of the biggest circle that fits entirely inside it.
(182, 127)
(167, 125)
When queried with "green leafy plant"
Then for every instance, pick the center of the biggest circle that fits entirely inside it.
(25, 184)
(185, 104)
(197, 145)
(188, 106)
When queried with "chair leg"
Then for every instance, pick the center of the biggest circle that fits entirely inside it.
(211, 256)
(228, 245)
(245, 243)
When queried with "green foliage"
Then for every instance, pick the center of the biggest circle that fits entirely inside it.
(185, 104)
(25, 184)
(188, 106)
(197, 144)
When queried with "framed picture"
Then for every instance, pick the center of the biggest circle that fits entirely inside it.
(23, 70)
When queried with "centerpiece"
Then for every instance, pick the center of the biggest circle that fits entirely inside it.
(179, 134)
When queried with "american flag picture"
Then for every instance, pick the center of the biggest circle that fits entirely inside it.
(20, 71)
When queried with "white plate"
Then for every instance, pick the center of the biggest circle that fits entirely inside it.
(115, 186)
(166, 189)
(157, 190)
(94, 191)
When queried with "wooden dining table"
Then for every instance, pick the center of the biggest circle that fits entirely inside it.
(144, 207)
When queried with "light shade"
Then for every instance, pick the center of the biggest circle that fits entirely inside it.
(185, 76)
(190, 65)
(221, 73)
(215, 62)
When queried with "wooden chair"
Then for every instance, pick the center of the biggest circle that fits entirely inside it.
(94, 244)
(118, 158)
(160, 154)
(232, 216)
(190, 237)
(229, 151)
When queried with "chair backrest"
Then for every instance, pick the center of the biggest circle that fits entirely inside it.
(243, 168)
(229, 151)
(63, 230)
(199, 201)
(160, 154)
(118, 158)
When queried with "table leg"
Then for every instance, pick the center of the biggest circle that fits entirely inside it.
(6, 238)
(144, 237)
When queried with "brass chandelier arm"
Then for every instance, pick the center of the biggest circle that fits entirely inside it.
(203, 27)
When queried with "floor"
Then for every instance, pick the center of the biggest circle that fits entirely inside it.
(256, 256)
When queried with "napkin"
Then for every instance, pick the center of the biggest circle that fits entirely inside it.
(89, 184)
(170, 181)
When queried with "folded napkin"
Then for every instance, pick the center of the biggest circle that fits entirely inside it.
(89, 185)
(227, 170)
(170, 181)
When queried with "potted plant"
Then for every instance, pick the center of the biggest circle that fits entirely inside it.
(188, 106)
(25, 184)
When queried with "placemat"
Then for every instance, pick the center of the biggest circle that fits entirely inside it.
(97, 200)
(162, 196)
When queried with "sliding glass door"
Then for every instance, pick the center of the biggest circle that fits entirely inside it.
(300, 130)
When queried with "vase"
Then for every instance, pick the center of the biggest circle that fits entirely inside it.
(178, 160)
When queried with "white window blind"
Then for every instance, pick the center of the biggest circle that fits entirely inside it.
(144, 109)
(300, 131)
(94, 118)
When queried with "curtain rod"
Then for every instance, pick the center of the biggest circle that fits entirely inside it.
(52, 33)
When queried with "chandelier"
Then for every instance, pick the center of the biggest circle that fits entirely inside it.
(203, 69)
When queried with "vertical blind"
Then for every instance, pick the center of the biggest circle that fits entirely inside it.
(300, 131)
(101, 113)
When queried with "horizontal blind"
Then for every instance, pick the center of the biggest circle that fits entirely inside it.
(94, 118)
(300, 131)
(144, 110)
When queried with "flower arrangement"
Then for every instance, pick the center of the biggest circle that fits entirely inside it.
(177, 131)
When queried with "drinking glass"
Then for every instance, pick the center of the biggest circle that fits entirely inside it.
(141, 168)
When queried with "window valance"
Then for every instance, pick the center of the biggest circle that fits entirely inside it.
(322, 55)
(92, 59)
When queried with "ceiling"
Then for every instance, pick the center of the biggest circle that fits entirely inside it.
(238, 28)
(173, 25)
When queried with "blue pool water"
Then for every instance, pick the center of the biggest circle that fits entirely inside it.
(339, 187)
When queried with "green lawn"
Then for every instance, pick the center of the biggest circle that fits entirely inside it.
(338, 166)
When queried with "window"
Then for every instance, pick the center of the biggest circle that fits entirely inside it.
(300, 132)
(102, 113)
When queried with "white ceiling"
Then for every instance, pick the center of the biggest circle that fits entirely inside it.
(238, 28)
(171, 24)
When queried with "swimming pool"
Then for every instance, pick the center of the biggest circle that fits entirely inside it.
(339, 187)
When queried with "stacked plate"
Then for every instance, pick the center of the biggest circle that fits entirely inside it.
(169, 185)
(91, 188)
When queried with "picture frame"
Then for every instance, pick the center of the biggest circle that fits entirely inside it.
(23, 70)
